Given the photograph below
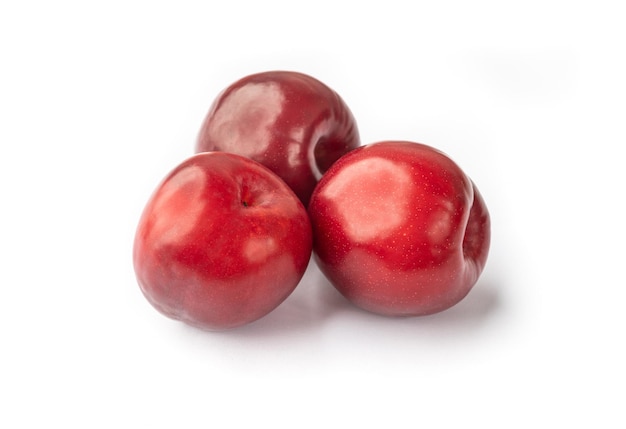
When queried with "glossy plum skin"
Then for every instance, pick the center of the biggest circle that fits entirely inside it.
(221, 242)
(399, 229)
(288, 121)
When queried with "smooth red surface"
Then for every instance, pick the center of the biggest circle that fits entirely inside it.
(288, 121)
(399, 229)
(221, 242)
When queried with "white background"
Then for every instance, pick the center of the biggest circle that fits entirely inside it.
(99, 101)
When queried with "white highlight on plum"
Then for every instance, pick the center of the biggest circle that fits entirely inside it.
(317, 136)
(178, 207)
(371, 198)
(242, 123)
(257, 249)
(440, 222)
(293, 154)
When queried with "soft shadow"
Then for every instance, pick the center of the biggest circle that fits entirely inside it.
(483, 301)
(315, 302)
(472, 313)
